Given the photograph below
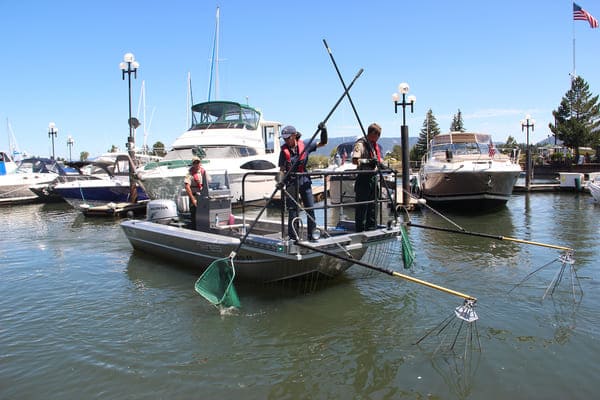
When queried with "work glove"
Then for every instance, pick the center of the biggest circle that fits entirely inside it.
(323, 130)
(368, 162)
(279, 177)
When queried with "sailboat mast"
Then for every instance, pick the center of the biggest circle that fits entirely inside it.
(216, 61)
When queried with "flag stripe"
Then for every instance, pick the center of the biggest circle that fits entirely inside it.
(579, 14)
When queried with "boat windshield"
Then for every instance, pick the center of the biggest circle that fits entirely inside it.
(38, 166)
(224, 114)
(461, 143)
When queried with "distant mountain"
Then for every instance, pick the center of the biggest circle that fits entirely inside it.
(387, 144)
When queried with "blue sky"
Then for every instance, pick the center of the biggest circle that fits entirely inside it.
(495, 61)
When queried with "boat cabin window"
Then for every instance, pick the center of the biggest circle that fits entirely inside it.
(213, 152)
(224, 114)
(268, 135)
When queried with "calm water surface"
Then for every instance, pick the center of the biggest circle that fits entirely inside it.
(82, 316)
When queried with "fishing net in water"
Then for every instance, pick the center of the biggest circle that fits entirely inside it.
(408, 254)
(216, 284)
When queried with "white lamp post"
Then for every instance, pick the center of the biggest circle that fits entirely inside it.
(403, 89)
(52, 133)
(70, 143)
(129, 66)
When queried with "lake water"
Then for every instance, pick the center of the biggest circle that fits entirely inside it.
(82, 316)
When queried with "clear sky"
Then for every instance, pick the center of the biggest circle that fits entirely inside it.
(496, 61)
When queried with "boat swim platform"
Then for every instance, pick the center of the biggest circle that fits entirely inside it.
(548, 187)
(115, 209)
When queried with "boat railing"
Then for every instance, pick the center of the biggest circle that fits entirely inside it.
(387, 196)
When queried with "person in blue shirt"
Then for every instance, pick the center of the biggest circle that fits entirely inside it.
(292, 159)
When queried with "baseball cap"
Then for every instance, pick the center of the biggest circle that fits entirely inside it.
(288, 131)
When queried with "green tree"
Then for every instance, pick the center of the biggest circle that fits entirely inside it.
(317, 161)
(396, 153)
(577, 118)
(158, 149)
(113, 149)
(511, 142)
(83, 156)
(457, 124)
(429, 130)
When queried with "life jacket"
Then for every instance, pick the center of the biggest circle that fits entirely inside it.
(367, 146)
(198, 178)
(288, 155)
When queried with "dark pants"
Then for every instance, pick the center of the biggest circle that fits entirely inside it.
(365, 188)
(193, 215)
(305, 193)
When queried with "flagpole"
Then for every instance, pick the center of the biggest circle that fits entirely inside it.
(573, 23)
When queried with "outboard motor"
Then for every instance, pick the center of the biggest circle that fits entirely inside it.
(161, 211)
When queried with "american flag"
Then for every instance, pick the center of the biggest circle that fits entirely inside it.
(579, 14)
(492, 150)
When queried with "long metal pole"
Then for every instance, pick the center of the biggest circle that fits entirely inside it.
(131, 144)
(405, 156)
(528, 169)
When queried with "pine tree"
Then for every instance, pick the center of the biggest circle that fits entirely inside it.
(429, 130)
(457, 123)
(577, 119)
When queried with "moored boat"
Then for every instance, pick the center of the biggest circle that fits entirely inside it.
(594, 188)
(7, 165)
(15, 188)
(106, 181)
(464, 170)
(234, 139)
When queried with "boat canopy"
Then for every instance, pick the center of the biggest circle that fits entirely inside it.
(224, 114)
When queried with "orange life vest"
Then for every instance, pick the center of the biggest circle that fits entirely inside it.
(288, 155)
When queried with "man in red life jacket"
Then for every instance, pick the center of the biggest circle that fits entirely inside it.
(293, 159)
(194, 181)
(367, 156)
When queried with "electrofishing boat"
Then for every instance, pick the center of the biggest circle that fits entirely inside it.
(265, 252)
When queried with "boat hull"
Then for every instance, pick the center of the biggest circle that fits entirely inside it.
(75, 194)
(260, 259)
(594, 188)
(15, 188)
(468, 188)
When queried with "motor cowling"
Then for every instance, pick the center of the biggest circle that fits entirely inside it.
(161, 211)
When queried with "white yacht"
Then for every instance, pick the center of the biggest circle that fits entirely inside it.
(234, 139)
(464, 170)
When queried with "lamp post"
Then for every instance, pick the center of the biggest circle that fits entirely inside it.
(70, 143)
(403, 89)
(52, 133)
(526, 124)
(129, 66)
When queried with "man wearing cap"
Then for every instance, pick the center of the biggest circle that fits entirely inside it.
(366, 154)
(292, 159)
(194, 182)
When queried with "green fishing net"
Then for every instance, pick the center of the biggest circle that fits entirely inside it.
(216, 284)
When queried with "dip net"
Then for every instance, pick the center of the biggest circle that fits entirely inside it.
(216, 284)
